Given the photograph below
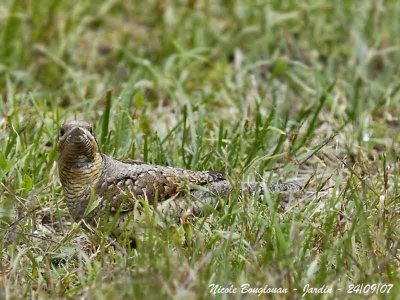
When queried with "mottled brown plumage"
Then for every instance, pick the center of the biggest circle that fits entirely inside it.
(121, 186)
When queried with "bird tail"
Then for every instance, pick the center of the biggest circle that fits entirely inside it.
(199, 199)
(285, 187)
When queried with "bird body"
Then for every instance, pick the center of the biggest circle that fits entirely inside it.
(119, 186)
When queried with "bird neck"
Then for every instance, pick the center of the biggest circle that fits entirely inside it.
(78, 175)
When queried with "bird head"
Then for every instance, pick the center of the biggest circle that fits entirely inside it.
(77, 144)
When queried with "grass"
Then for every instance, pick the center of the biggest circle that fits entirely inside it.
(279, 90)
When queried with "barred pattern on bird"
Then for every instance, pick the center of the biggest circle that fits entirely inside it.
(121, 185)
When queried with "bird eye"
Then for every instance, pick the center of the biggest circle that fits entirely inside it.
(62, 131)
(90, 130)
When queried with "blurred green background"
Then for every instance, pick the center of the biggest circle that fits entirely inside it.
(305, 90)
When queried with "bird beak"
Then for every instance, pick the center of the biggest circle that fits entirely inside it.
(76, 135)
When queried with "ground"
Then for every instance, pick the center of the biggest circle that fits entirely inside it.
(265, 90)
